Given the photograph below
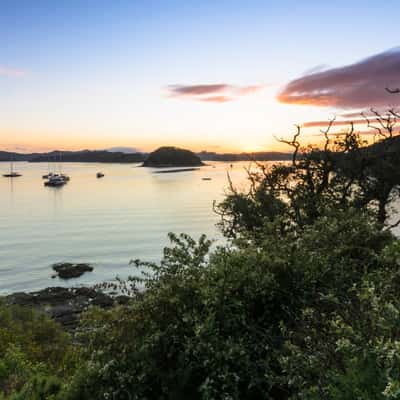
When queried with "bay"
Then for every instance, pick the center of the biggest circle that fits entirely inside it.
(106, 222)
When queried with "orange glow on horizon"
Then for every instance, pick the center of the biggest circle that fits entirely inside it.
(44, 142)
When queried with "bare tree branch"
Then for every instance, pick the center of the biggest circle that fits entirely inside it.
(293, 143)
(326, 133)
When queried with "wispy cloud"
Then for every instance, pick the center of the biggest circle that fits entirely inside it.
(214, 93)
(244, 90)
(9, 71)
(216, 99)
(361, 132)
(322, 124)
(356, 85)
(197, 90)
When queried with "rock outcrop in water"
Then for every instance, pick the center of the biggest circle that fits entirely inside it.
(172, 157)
(69, 270)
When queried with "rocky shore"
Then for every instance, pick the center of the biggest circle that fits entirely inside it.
(65, 305)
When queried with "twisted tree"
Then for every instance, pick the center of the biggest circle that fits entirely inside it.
(341, 173)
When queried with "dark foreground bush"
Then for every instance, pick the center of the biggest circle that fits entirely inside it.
(30, 345)
(302, 303)
(310, 317)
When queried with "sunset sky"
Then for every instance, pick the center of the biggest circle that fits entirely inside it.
(215, 75)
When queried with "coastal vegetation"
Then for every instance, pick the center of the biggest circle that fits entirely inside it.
(258, 155)
(301, 303)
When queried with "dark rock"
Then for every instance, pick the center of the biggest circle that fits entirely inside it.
(64, 305)
(69, 270)
(122, 299)
(102, 300)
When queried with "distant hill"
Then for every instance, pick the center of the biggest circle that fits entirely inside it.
(172, 157)
(101, 156)
(390, 145)
(127, 150)
(8, 156)
(259, 156)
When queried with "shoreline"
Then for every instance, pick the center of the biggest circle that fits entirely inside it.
(64, 305)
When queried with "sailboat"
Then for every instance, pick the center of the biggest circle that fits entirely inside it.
(56, 179)
(12, 173)
(62, 175)
(50, 173)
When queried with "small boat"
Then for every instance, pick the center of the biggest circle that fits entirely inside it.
(12, 173)
(52, 175)
(55, 181)
(206, 179)
(99, 175)
(49, 175)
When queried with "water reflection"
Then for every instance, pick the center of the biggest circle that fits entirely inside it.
(105, 221)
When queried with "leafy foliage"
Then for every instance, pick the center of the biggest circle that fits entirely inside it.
(291, 317)
(30, 345)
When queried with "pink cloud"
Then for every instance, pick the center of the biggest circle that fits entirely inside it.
(196, 90)
(357, 85)
(321, 124)
(215, 93)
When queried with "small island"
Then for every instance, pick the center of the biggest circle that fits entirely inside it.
(172, 157)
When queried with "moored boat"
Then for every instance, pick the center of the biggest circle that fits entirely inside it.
(12, 173)
(56, 181)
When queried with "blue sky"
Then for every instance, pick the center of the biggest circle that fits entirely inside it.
(96, 74)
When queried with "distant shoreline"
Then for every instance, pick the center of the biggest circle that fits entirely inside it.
(108, 157)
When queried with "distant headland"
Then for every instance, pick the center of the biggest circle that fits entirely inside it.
(89, 156)
(158, 158)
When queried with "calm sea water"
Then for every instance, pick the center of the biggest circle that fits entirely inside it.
(107, 222)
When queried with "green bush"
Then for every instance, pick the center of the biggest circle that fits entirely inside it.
(30, 344)
(310, 316)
